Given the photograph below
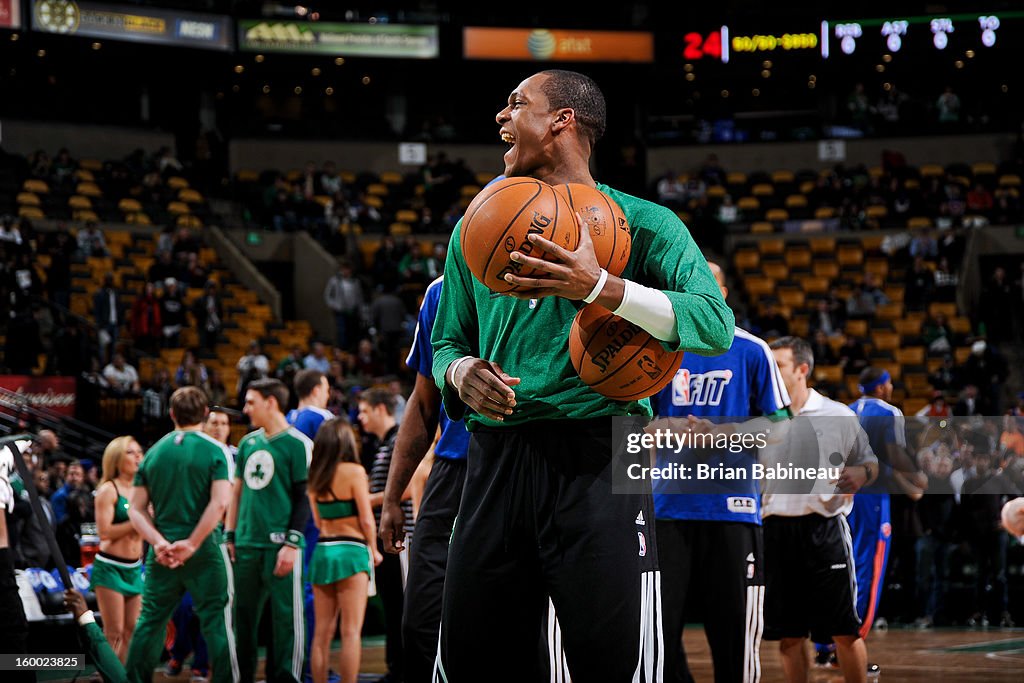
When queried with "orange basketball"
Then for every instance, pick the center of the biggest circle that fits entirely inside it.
(498, 221)
(608, 227)
(617, 358)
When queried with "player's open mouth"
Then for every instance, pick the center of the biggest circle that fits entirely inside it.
(508, 138)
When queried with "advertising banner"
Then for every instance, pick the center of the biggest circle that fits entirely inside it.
(10, 13)
(133, 23)
(356, 40)
(557, 45)
(52, 393)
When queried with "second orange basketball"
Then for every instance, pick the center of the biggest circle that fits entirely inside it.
(609, 229)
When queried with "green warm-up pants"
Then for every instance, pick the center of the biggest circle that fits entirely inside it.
(207, 576)
(255, 580)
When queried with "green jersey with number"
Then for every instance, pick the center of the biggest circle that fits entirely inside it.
(530, 339)
(178, 471)
(269, 467)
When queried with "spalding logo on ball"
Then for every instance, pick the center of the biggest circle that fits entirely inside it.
(499, 221)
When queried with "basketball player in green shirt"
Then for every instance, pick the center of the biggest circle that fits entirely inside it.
(265, 528)
(185, 476)
(538, 515)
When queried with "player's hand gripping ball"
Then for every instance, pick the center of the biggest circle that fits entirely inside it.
(609, 230)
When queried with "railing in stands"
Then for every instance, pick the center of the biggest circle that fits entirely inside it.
(78, 439)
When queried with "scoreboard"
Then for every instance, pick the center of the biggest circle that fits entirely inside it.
(833, 39)
(937, 34)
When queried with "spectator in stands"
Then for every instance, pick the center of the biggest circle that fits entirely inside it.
(344, 296)
(196, 274)
(851, 356)
(289, 365)
(147, 328)
(91, 241)
(209, 314)
(728, 212)
(330, 180)
(987, 369)
(163, 268)
(1007, 208)
(71, 348)
(387, 314)
(25, 282)
(317, 359)
(385, 263)
(32, 547)
(9, 231)
(948, 107)
(74, 480)
(121, 377)
(918, 286)
(899, 198)
(366, 362)
(172, 313)
(166, 162)
(946, 377)
(415, 267)
(998, 305)
(937, 335)
(39, 164)
(217, 392)
(156, 399)
(860, 305)
(310, 182)
(362, 211)
(108, 313)
(711, 171)
(936, 407)
(823, 353)
(980, 200)
(251, 367)
(1011, 441)
(946, 281)
(859, 108)
(63, 167)
(671, 191)
(823, 320)
(191, 372)
(58, 275)
(971, 403)
(924, 245)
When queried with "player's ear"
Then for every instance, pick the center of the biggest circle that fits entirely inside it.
(563, 118)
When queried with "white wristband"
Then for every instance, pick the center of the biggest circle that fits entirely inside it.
(86, 618)
(453, 368)
(602, 280)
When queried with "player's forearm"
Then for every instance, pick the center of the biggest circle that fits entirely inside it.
(231, 518)
(143, 523)
(212, 515)
(413, 441)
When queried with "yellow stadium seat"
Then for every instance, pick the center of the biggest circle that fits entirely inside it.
(36, 186)
(806, 186)
(856, 328)
(748, 204)
(177, 183)
(850, 255)
(919, 222)
(736, 178)
(469, 191)
(793, 298)
(908, 327)
(796, 201)
(887, 341)
(31, 212)
(877, 266)
(911, 355)
(716, 192)
(939, 307)
(84, 176)
(247, 176)
(773, 246)
(188, 221)
(889, 312)
(190, 196)
(830, 374)
(90, 164)
(876, 211)
(876, 172)
(759, 286)
(323, 200)
(400, 229)
(78, 202)
(777, 215)
(1009, 180)
(347, 177)
(89, 189)
(815, 285)
(823, 245)
(798, 257)
(912, 184)
(932, 170)
(775, 270)
(28, 199)
(762, 228)
(138, 218)
(377, 189)
(762, 190)
(983, 168)
(823, 212)
(484, 178)
(129, 205)
(85, 216)
(407, 216)
(782, 176)
(960, 325)
(825, 269)
(391, 178)
(178, 208)
(374, 201)
(746, 259)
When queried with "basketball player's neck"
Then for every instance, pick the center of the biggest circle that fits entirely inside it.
(275, 424)
(570, 163)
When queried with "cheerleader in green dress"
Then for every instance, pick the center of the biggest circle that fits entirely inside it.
(346, 552)
(117, 569)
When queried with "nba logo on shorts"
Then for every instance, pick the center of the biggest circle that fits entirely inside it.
(643, 544)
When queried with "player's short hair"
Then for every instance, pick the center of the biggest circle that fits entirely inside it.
(306, 381)
(270, 387)
(870, 375)
(188, 405)
(802, 352)
(573, 90)
(379, 397)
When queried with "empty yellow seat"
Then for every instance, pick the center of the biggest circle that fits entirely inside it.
(36, 186)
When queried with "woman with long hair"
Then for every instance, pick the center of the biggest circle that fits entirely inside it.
(346, 552)
(117, 569)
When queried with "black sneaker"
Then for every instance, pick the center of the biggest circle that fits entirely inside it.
(821, 658)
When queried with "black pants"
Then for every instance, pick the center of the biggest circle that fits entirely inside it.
(713, 572)
(538, 518)
(388, 576)
(428, 558)
(13, 627)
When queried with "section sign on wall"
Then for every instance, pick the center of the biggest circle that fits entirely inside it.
(356, 40)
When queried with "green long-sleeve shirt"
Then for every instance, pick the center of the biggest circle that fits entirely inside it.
(102, 655)
(530, 339)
